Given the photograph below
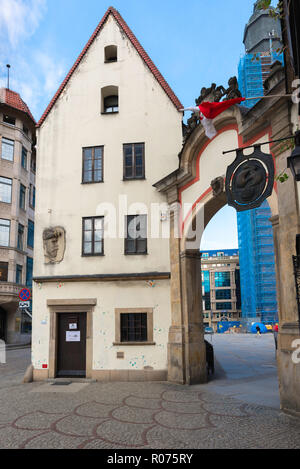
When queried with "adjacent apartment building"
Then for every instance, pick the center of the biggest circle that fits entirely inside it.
(17, 208)
(221, 293)
(113, 129)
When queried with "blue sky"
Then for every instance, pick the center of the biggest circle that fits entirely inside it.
(193, 44)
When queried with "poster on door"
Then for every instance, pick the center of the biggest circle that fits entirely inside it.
(72, 336)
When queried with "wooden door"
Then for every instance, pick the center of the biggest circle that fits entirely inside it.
(71, 344)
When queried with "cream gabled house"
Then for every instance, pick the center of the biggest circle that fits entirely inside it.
(102, 306)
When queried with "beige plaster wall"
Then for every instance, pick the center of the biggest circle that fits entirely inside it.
(147, 115)
(109, 295)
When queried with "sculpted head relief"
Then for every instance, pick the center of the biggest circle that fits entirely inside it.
(54, 244)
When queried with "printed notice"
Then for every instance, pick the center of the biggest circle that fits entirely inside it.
(73, 325)
(72, 336)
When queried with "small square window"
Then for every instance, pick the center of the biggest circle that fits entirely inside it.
(134, 326)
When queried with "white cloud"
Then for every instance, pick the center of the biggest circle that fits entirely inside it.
(19, 19)
(51, 71)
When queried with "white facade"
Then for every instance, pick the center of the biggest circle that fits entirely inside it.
(145, 115)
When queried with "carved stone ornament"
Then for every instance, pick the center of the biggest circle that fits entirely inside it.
(217, 186)
(212, 94)
(54, 241)
(249, 179)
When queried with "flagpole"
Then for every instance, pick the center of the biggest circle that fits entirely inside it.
(270, 96)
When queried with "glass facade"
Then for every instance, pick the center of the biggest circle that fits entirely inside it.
(223, 306)
(222, 279)
(206, 290)
(223, 294)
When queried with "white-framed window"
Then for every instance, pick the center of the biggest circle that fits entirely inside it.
(7, 152)
(5, 190)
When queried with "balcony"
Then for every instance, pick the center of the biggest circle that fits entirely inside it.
(9, 292)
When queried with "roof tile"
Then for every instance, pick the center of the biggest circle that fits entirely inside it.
(14, 100)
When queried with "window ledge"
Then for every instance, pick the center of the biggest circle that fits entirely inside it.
(136, 253)
(109, 113)
(92, 182)
(134, 179)
(134, 343)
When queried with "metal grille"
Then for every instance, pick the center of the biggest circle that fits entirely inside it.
(133, 327)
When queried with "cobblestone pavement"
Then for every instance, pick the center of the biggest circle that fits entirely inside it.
(136, 416)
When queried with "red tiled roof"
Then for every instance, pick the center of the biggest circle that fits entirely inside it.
(14, 100)
(137, 46)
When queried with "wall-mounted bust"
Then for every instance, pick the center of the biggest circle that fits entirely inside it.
(54, 240)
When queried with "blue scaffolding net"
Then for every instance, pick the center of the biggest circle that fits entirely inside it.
(257, 264)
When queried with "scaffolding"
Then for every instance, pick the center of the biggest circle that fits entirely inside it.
(253, 69)
(257, 264)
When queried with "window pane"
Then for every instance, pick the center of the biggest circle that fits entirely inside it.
(98, 164)
(24, 158)
(88, 176)
(88, 224)
(98, 223)
(88, 165)
(5, 190)
(98, 235)
(141, 245)
(98, 176)
(130, 245)
(88, 153)
(88, 236)
(138, 149)
(29, 271)
(87, 248)
(30, 234)
(7, 149)
(4, 232)
(98, 152)
(98, 247)
(3, 271)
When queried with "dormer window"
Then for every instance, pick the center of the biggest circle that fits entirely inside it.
(110, 100)
(110, 54)
(9, 120)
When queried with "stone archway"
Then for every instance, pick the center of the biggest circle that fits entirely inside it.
(191, 191)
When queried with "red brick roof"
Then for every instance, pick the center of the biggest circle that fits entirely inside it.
(14, 100)
(138, 47)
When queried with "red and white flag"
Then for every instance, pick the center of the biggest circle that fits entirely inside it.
(208, 111)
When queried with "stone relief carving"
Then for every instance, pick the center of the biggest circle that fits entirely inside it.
(217, 186)
(212, 94)
(54, 241)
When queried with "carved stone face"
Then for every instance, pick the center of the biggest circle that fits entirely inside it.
(54, 244)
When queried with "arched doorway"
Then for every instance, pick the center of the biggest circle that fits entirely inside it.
(197, 192)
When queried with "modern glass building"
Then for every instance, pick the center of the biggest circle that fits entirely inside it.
(257, 264)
